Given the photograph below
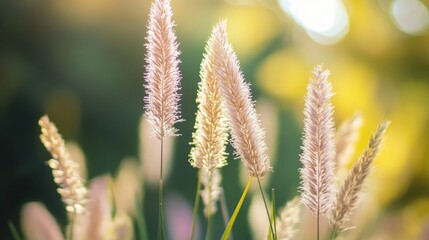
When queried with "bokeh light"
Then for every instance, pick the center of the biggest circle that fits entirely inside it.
(410, 16)
(326, 21)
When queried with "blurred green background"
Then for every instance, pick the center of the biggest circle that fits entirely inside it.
(81, 62)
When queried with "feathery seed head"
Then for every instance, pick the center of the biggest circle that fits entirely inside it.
(246, 131)
(288, 220)
(318, 148)
(162, 77)
(348, 195)
(346, 138)
(211, 132)
(64, 169)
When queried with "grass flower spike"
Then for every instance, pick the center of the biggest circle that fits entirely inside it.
(345, 140)
(318, 148)
(211, 135)
(162, 82)
(350, 190)
(64, 169)
(247, 134)
(162, 71)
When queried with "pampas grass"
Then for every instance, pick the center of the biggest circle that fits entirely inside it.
(318, 146)
(348, 195)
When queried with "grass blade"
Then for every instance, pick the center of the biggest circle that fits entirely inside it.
(273, 217)
(13, 230)
(228, 228)
(196, 204)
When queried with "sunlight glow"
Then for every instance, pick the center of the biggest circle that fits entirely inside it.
(410, 16)
(325, 21)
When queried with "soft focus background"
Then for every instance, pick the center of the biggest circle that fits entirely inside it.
(81, 62)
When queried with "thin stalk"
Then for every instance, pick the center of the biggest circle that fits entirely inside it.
(334, 234)
(13, 230)
(161, 231)
(266, 209)
(228, 228)
(209, 215)
(224, 209)
(209, 227)
(70, 233)
(196, 204)
(318, 222)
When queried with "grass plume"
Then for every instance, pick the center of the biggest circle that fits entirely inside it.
(162, 82)
(288, 220)
(65, 171)
(246, 131)
(318, 146)
(211, 134)
(345, 140)
(162, 77)
(348, 195)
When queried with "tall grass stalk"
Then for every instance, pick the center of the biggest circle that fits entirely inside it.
(196, 205)
(162, 82)
(161, 230)
(224, 210)
(70, 232)
(266, 209)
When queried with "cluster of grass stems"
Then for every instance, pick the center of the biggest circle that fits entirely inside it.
(226, 111)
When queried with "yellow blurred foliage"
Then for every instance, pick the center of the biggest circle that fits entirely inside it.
(284, 75)
(249, 27)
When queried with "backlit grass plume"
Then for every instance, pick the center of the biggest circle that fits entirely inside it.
(348, 195)
(211, 135)
(318, 146)
(345, 140)
(210, 138)
(162, 71)
(246, 131)
(162, 82)
(288, 220)
(64, 169)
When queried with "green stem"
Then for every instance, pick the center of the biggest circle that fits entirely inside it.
(209, 215)
(266, 209)
(224, 208)
(228, 228)
(13, 230)
(196, 204)
(273, 214)
(209, 227)
(161, 230)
